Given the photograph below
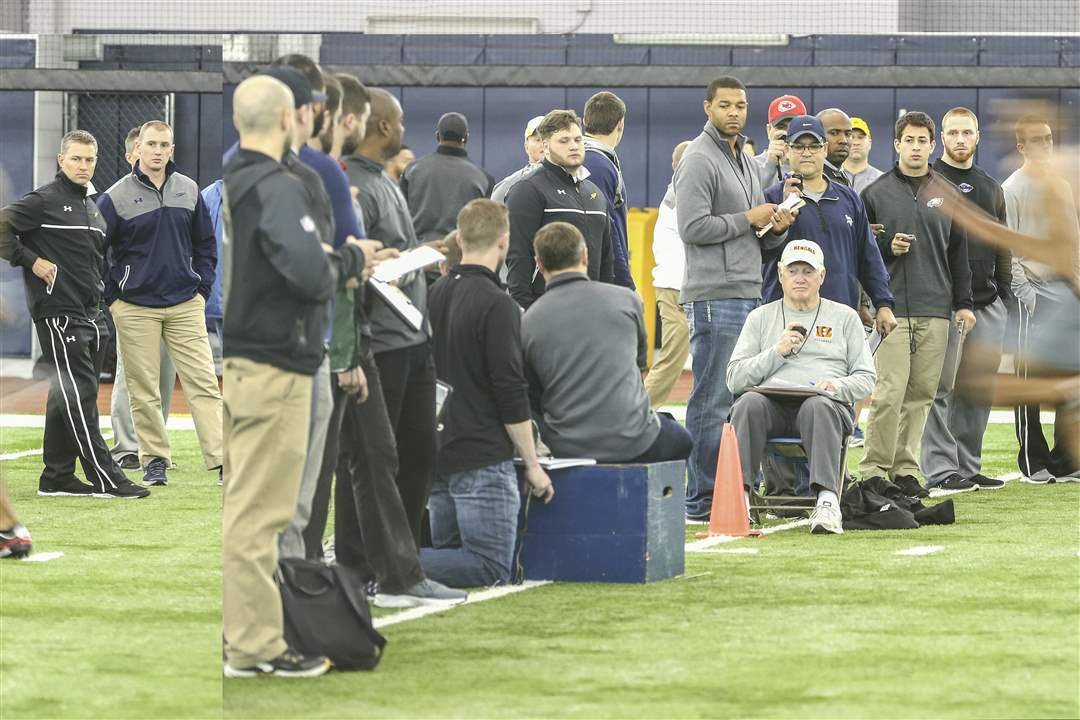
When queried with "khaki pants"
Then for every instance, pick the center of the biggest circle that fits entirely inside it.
(183, 329)
(905, 389)
(668, 364)
(266, 424)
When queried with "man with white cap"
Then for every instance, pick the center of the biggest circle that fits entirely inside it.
(800, 342)
(534, 149)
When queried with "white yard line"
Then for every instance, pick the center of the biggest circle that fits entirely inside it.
(30, 453)
(12, 420)
(42, 557)
(482, 596)
(921, 550)
(731, 551)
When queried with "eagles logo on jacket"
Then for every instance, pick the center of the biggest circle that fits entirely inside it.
(552, 195)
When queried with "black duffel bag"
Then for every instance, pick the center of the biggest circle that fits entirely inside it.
(326, 613)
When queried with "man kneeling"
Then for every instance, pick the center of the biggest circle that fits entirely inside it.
(585, 346)
(802, 340)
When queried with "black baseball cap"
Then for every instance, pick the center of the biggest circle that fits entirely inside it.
(295, 80)
(453, 126)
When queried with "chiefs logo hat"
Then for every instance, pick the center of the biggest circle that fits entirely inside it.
(785, 106)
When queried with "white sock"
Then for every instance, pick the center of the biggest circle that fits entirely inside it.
(827, 496)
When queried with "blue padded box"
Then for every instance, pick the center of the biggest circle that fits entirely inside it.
(361, 49)
(608, 523)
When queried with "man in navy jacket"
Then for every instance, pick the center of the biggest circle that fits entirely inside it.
(164, 256)
(605, 121)
(835, 219)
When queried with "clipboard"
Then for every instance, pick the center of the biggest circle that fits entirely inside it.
(399, 302)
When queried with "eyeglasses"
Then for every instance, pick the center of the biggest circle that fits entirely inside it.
(802, 149)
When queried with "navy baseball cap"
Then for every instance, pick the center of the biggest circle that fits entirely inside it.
(295, 80)
(805, 125)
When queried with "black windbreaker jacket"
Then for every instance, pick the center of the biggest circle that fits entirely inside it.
(60, 223)
(551, 195)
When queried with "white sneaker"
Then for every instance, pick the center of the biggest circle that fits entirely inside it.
(1041, 477)
(826, 518)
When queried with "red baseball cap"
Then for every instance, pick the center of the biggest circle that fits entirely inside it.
(785, 106)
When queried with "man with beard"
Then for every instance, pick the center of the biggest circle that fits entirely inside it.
(838, 136)
(719, 204)
(952, 440)
(558, 191)
(355, 111)
(1044, 298)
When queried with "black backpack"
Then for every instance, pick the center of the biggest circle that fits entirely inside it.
(326, 613)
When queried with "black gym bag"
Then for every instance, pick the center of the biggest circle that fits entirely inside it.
(326, 613)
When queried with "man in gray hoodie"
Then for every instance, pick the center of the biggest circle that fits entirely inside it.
(720, 206)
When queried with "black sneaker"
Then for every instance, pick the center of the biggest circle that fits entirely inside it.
(125, 489)
(290, 664)
(987, 483)
(155, 473)
(64, 487)
(129, 462)
(909, 484)
(953, 485)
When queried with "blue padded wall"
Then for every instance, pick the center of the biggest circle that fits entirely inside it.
(506, 112)
(16, 179)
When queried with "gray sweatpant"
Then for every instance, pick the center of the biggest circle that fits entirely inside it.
(953, 436)
(822, 423)
(123, 427)
(291, 540)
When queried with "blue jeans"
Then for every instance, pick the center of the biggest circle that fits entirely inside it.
(473, 526)
(714, 329)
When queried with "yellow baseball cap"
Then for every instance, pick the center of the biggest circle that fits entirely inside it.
(532, 126)
(857, 123)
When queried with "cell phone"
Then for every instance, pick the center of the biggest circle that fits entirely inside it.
(798, 180)
(909, 236)
(50, 286)
(443, 391)
(800, 329)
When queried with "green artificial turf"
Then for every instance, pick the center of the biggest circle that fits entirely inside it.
(809, 627)
(127, 624)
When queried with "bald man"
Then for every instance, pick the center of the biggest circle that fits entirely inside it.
(838, 138)
(405, 369)
(278, 280)
(670, 257)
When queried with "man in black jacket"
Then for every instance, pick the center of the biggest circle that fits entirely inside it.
(558, 191)
(838, 137)
(926, 256)
(477, 331)
(952, 440)
(278, 280)
(57, 236)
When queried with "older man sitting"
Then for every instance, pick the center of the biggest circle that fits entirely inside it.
(800, 342)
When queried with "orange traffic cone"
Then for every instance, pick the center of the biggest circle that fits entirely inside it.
(728, 516)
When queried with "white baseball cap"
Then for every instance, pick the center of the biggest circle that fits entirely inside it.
(533, 125)
(806, 251)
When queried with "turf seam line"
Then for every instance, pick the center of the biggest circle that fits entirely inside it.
(482, 596)
(699, 545)
(16, 420)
